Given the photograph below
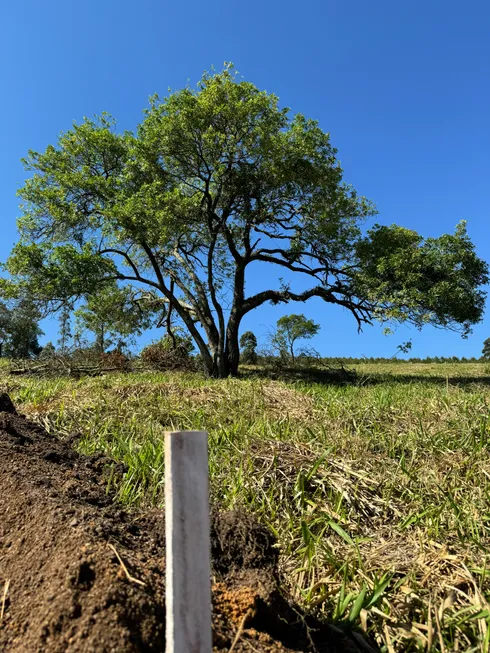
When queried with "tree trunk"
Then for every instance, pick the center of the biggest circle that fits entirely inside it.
(232, 352)
(221, 363)
(209, 361)
(232, 349)
(100, 340)
(221, 369)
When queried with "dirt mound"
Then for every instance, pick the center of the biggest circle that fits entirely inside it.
(6, 405)
(238, 541)
(78, 573)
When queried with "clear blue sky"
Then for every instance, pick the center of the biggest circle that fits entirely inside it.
(403, 88)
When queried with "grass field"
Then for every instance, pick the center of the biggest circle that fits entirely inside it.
(378, 492)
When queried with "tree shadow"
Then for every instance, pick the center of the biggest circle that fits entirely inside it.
(323, 376)
(452, 381)
(342, 376)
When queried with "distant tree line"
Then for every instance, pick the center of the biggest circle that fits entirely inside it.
(352, 360)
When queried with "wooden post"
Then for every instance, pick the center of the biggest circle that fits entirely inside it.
(188, 564)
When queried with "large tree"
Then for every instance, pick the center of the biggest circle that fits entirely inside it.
(215, 180)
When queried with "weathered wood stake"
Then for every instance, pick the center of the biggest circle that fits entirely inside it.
(188, 566)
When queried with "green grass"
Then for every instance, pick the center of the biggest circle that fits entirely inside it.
(378, 492)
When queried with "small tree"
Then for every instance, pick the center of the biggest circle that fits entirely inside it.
(486, 349)
(290, 329)
(114, 315)
(4, 325)
(48, 351)
(65, 328)
(248, 345)
(23, 330)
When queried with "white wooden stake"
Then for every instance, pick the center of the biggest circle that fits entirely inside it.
(188, 549)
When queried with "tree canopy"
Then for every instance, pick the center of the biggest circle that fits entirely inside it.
(215, 180)
(290, 329)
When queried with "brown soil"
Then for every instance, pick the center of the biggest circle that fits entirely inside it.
(78, 573)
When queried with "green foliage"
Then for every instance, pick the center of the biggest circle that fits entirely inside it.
(248, 344)
(21, 329)
(486, 349)
(216, 179)
(114, 315)
(435, 281)
(4, 325)
(290, 329)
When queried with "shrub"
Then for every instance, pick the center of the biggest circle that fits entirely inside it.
(114, 359)
(164, 355)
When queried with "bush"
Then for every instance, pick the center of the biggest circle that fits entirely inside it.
(114, 359)
(163, 355)
(249, 357)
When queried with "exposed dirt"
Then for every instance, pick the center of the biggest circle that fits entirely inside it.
(78, 573)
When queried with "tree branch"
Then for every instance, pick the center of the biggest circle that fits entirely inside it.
(312, 272)
(125, 255)
(361, 312)
(201, 304)
(212, 291)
